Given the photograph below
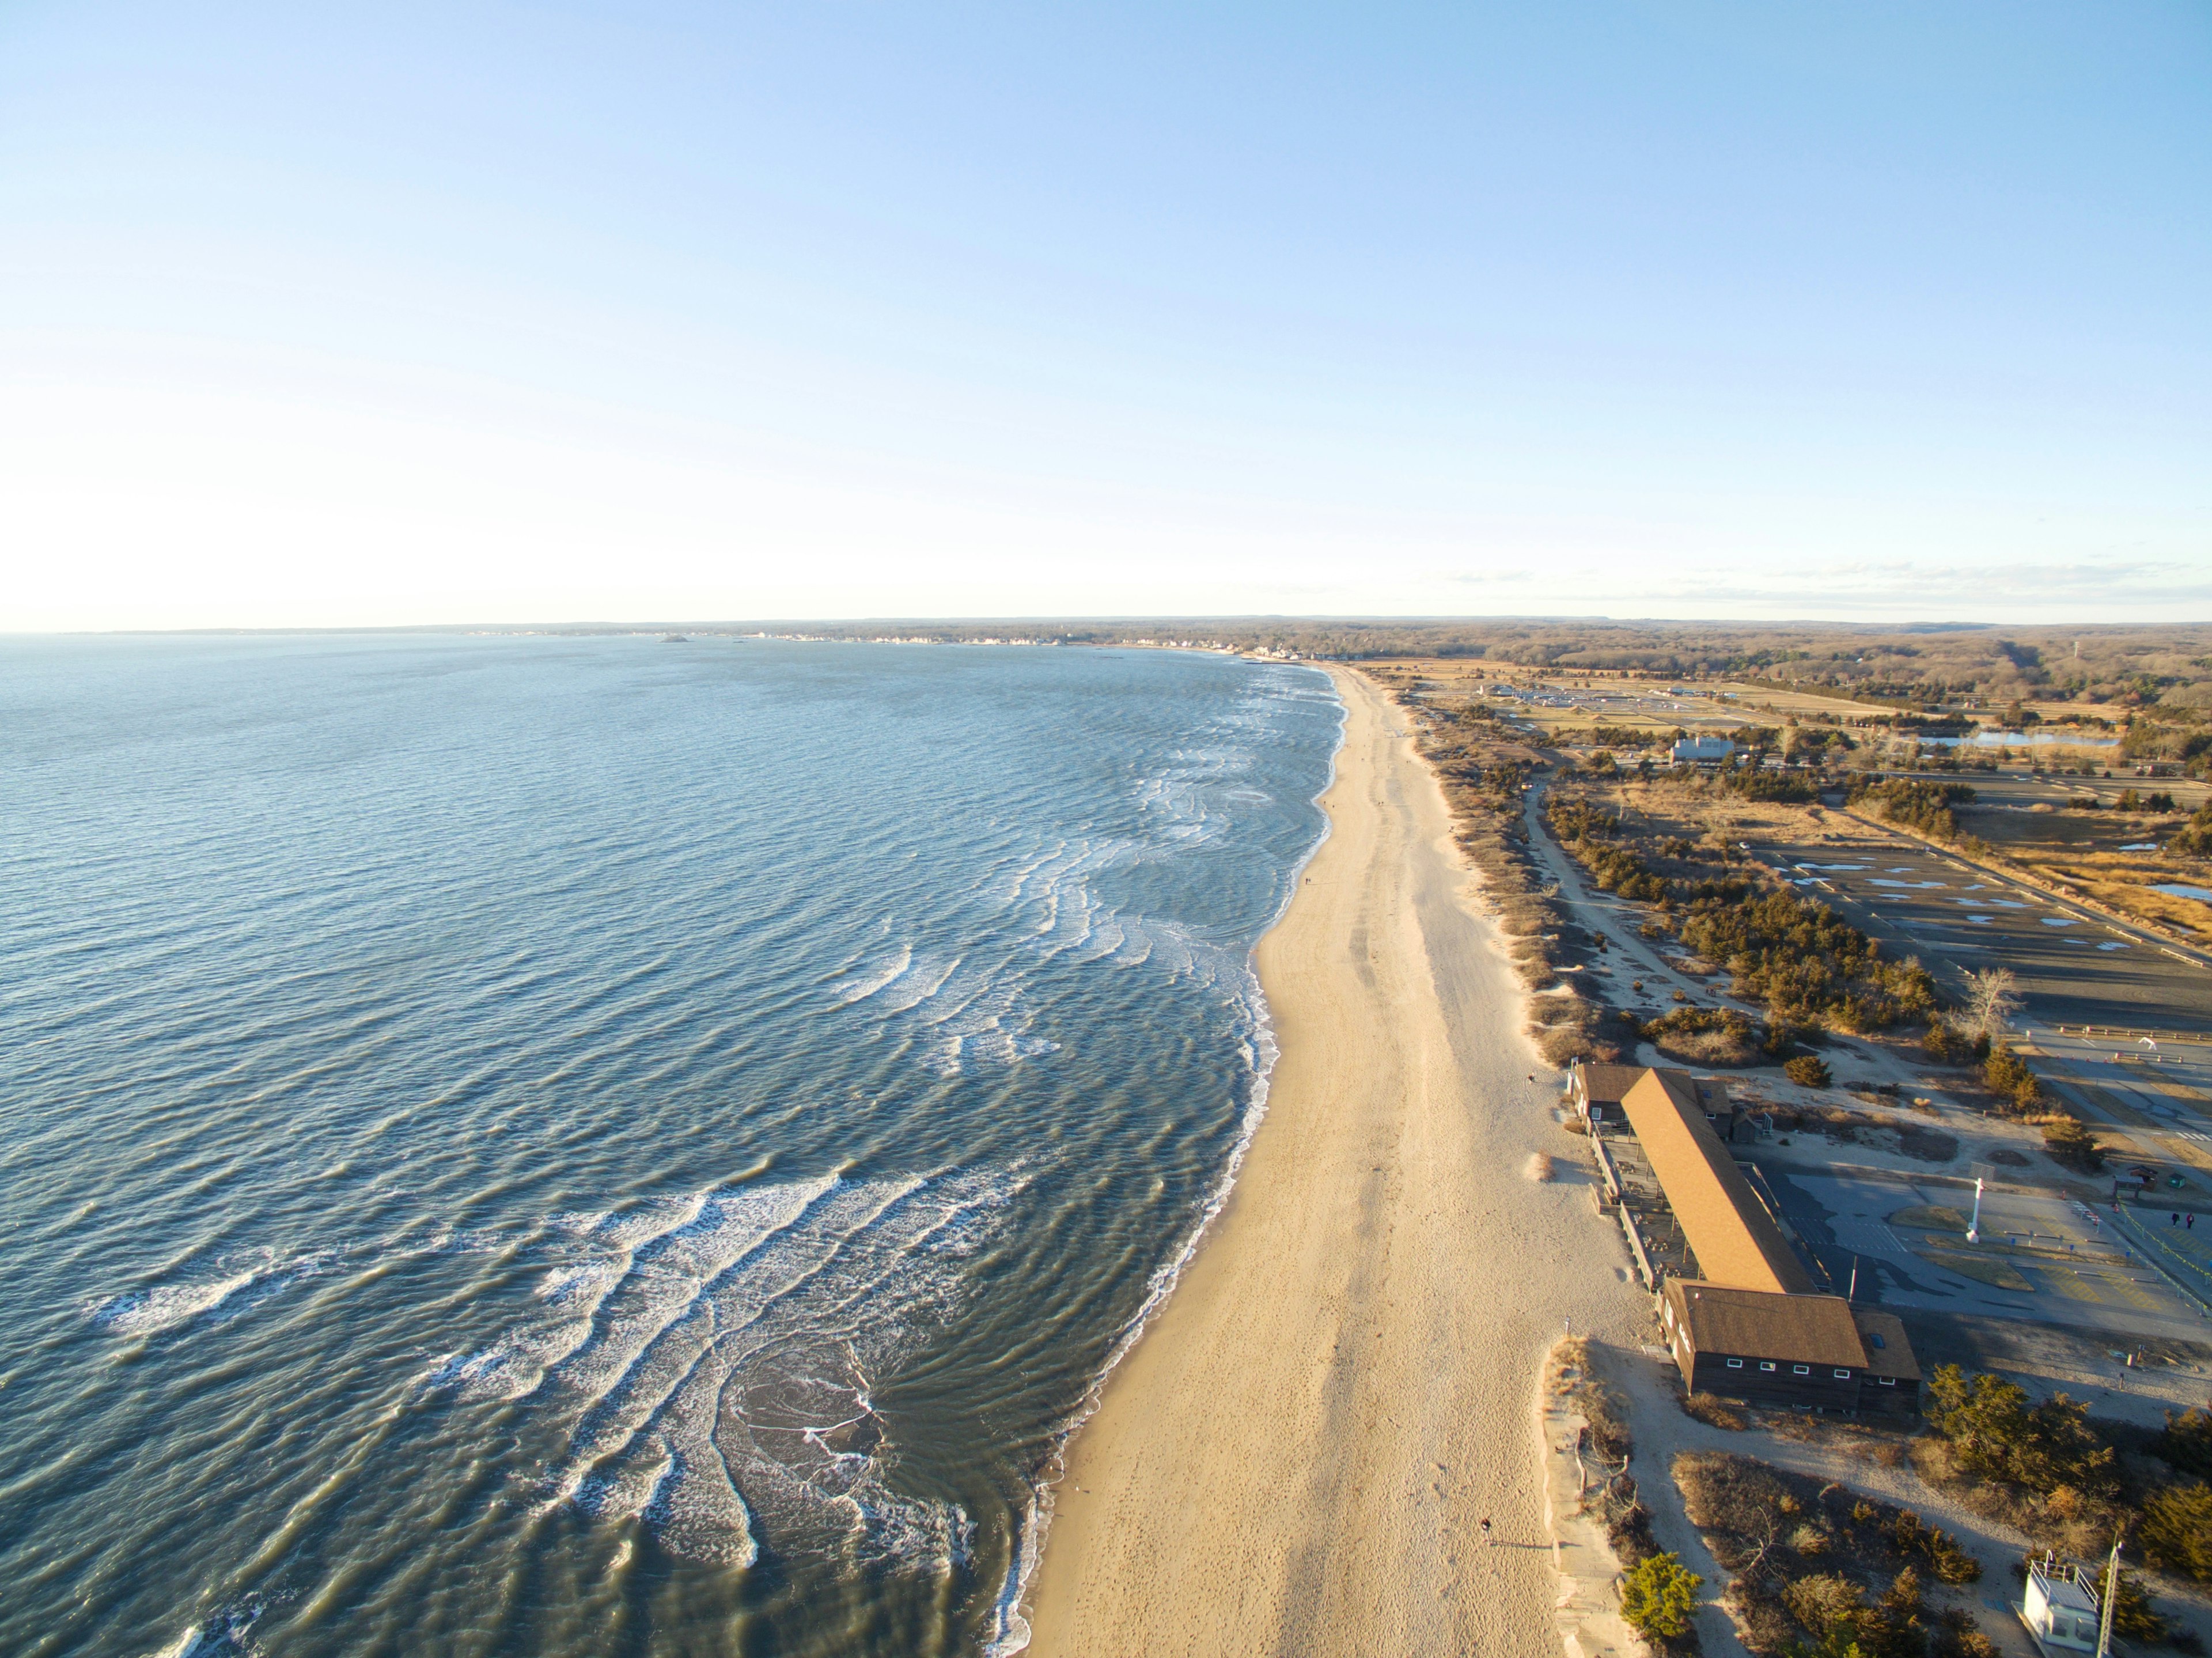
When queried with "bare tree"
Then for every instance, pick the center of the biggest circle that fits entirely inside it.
(1992, 998)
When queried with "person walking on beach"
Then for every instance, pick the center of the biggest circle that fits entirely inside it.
(1485, 1531)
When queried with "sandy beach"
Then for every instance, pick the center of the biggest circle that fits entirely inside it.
(1297, 1456)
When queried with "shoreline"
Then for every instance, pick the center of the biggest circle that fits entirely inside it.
(1297, 1452)
(1012, 1634)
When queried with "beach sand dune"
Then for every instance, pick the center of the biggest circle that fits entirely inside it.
(1297, 1456)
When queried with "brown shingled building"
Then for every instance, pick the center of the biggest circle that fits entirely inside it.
(1752, 1325)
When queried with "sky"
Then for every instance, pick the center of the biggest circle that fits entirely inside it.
(340, 315)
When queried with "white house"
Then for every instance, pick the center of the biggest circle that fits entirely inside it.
(1703, 749)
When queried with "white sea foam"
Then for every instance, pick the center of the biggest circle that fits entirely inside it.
(165, 1306)
(723, 1379)
(859, 986)
(1011, 1634)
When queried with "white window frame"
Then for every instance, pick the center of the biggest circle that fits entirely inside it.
(1801, 1369)
(1735, 1364)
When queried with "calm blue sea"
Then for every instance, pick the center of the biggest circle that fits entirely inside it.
(579, 1146)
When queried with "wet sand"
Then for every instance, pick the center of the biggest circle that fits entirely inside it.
(1295, 1457)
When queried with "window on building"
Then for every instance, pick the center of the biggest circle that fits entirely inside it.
(1875, 1338)
(1765, 1364)
(1888, 1381)
(1843, 1375)
(1735, 1364)
(1801, 1369)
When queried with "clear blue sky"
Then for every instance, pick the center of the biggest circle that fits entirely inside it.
(408, 312)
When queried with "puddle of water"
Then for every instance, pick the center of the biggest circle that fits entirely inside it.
(2180, 889)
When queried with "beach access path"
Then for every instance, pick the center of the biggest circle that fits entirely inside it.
(1297, 1456)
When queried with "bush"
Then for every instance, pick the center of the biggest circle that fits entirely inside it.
(1770, 785)
(1659, 1597)
(1808, 1070)
(2195, 841)
(2177, 1530)
(1923, 807)
(2072, 1144)
(1946, 1044)
(1835, 1610)
(1993, 1433)
(2008, 1077)
(1705, 1035)
(1804, 962)
(1957, 1636)
(1913, 1536)
(2186, 1443)
(1711, 1410)
(2132, 1612)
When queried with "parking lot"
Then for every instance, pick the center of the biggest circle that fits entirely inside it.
(2042, 1256)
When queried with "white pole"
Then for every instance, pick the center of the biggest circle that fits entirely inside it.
(2111, 1595)
(1974, 1226)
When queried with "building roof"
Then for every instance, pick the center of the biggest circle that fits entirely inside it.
(1805, 1329)
(1728, 1228)
(1889, 1351)
(1607, 1084)
(1604, 1085)
(2063, 1588)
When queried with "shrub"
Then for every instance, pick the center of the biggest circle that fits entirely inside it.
(2177, 1530)
(1710, 1409)
(2008, 1077)
(1836, 1610)
(1705, 1035)
(1804, 962)
(1914, 1536)
(1995, 1433)
(2072, 1144)
(1923, 807)
(1770, 785)
(2195, 841)
(2186, 1443)
(1659, 1597)
(1957, 1636)
(1808, 1070)
(2133, 1613)
(1946, 1044)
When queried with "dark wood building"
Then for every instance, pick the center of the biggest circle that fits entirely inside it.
(1811, 1350)
(1752, 1325)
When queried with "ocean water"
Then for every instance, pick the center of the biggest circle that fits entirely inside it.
(576, 1146)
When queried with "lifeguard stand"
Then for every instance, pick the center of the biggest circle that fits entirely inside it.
(2061, 1608)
